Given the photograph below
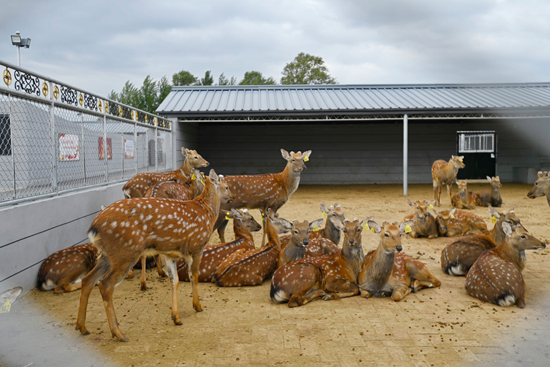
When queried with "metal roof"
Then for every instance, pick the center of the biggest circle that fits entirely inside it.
(217, 101)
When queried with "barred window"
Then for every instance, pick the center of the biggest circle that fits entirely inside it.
(476, 143)
(5, 135)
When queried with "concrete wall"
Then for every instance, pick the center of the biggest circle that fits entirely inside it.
(365, 152)
(30, 232)
(187, 136)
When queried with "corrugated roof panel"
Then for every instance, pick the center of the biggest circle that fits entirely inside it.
(231, 100)
(366, 96)
(263, 100)
(342, 101)
(255, 100)
(311, 101)
(326, 96)
(287, 98)
(538, 97)
(296, 102)
(279, 100)
(215, 102)
(205, 104)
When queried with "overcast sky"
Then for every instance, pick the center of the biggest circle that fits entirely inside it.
(99, 45)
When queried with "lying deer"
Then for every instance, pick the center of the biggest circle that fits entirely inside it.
(458, 256)
(130, 228)
(424, 224)
(213, 255)
(298, 242)
(541, 187)
(252, 267)
(444, 173)
(267, 191)
(490, 198)
(464, 199)
(496, 275)
(456, 222)
(328, 276)
(386, 273)
(137, 186)
(63, 270)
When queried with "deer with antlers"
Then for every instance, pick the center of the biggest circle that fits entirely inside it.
(138, 185)
(130, 228)
(496, 276)
(491, 198)
(444, 173)
(388, 272)
(267, 191)
(328, 276)
(541, 187)
(456, 222)
(423, 223)
(458, 256)
(214, 255)
(464, 199)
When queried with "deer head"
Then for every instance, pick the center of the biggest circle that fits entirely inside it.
(494, 181)
(520, 239)
(301, 231)
(541, 186)
(194, 159)
(390, 234)
(457, 161)
(421, 207)
(296, 160)
(443, 217)
(245, 219)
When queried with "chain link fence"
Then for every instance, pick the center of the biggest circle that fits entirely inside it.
(55, 138)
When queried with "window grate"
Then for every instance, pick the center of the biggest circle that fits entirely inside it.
(476, 143)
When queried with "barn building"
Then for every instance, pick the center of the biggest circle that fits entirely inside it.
(366, 134)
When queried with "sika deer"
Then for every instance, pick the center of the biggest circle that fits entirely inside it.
(267, 191)
(213, 255)
(137, 186)
(299, 240)
(385, 273)
(455, 222)
(130, 228)
(424, 224)
(63, 270)
(496, 275)
(328, 276)
(458, 256)
(464, 199)
(444, 173)
(248, 268)
(541, 187)
(490, 198)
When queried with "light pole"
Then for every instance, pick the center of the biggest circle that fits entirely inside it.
(19, 42)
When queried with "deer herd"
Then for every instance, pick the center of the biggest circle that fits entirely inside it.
(171, 216)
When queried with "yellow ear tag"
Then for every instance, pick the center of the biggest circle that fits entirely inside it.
(324, 214)
(452, 216)
(316, 228)
(193, 177)
(202, 181)
(263, 216)
(6, 307)
(227, 217)
(431, 206)
(372, 230)
(306, 158)
(408, 229)
(493, 219)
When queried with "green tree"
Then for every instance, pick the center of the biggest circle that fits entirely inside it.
(148, 95)
(224, 81)
(183, 77)
(256, 78)
(164, 88)
(207, 80)
(129, 95)
(306, 69)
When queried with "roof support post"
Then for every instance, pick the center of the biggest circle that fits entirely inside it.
(405, 154)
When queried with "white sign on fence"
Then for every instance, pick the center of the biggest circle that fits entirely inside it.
(68, 147)
(128, 148)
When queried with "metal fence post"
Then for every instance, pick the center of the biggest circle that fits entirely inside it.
(105, 148)
(135, 149)
(83, 150)
(405, 155)
(12, 149)
(156, 150)
(53, 139)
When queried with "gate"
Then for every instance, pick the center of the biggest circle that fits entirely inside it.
(479, 149)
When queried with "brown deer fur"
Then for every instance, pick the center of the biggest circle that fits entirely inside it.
(444, 173)
(464, 199)
(541, 187)
(451, 223)
(424, 224)
(491, 198)
(299, 240)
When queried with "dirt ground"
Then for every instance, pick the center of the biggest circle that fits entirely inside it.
(241, 326)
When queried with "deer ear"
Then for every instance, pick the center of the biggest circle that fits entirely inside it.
(403, 226)
(316, 224)
(453, 211)
(410, 202)
(306, 154)
(540, 174)
(286, 224)
(506, 229)
(493, 212)
(213, 177)
(11, 294)
(323, 207)
(489, 179)
(337, 223)
(184, 151)
(371, 225)
(285, 154)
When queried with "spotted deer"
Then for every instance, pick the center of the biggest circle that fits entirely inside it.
(541, 187)
(496, 276)
(213, 255)
(299, 240)
(63, 270)
(444, 173)
(138, 185)
(491, 198)
(458, 256)
(267, 191)
(424, 224)
(329, 276)
(451, 223)
(130, 228)
(388, 272)
(464, 199)
(252, 267)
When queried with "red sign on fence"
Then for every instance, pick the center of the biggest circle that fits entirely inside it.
(68, 147)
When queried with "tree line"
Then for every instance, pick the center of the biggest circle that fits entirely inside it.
(304, 69)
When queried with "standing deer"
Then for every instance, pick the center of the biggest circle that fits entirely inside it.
(496, 275)
(299, 240)
(456, 222)
(387, 273)
(541, 187)
(267, 191)
(252, 267)
(213, 255)
(490, 198)
(444, 173)
(130, 228)
(137, 186)
(458, 256)
(63, 270)
(424, 224)
(464, 199)
(328, 276)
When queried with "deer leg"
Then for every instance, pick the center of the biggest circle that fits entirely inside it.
(400, 292)
(130, 274)
(221, 230)
(521, 299)
(365, 294)
(72, 286)
(160, 270)
(449, 191)
(300, 299)
(88, 282)
(193, 262)
(437, 192)
(173, 274)
(143, 272)
(340, 289)
(106, 288)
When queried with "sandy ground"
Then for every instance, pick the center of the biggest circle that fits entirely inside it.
(241, 326)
